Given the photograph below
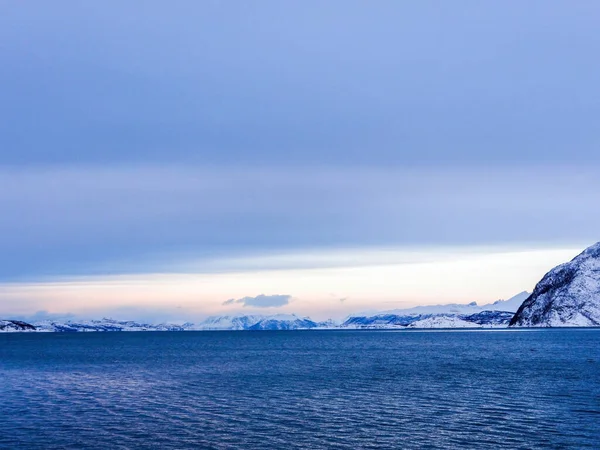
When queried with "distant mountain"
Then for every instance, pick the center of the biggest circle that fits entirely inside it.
(510, 305)
(442, 321)
(228, 323)
(454, 315)
(567, 296)
(482, 319)
(15, 325)
(241, 322)
(497, 314)
(106, 325)
(256, 322)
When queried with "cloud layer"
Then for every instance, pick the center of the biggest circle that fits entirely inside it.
(293, 82)
(181, 219)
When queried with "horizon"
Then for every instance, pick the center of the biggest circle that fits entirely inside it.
(45, 317)
(277, 304)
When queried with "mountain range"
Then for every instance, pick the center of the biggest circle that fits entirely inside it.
(438, 316)
(567, 296)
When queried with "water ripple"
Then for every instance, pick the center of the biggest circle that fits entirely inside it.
(314, 390)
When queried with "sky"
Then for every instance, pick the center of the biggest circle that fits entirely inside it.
(177, 160)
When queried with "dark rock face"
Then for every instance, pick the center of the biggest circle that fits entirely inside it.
(15, 325)
(567, 296)
(490, 318)
(381, 321)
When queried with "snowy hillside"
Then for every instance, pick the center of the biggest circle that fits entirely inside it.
(497, 314)
(454, 315)
(567, 296)
(510, 305)
(257, 322)
(105, 325)
(15, 325)
(483, 319)
(227, 323)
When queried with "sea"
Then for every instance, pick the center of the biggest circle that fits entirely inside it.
(513, 389)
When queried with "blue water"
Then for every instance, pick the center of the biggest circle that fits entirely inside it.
(304, 389)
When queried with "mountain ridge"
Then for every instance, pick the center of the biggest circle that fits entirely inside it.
(435, 316)
(567, 296)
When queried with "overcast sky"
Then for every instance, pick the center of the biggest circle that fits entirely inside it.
(183, 141)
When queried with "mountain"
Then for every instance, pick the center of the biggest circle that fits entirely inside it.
(15, 325)
(257, 322)
(470, 315)
(510, 305)
(106, 325)
(228, 323)
(482, 319)
(567, 296)
(494, 315)
(453, 315)
(241, 322)
(441, 321)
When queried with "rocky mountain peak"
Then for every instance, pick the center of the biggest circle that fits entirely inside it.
(568, 295)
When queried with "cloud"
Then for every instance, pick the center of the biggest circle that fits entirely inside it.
(261, 301)
(138, 114)
(69, 221)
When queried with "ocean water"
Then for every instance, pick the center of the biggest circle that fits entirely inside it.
(303, 389)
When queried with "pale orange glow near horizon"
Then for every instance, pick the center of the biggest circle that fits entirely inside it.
(394, 279)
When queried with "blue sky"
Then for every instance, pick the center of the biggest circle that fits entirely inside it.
(171, 138)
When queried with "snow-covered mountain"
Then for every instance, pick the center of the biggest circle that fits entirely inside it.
(106, 325)
(511, 305)
(15, 325)
(441, 321)
(483, 319)
(228, 323)
(497, 314)
(454, 315)
(256, 322)
(567, 296)
(241, 322)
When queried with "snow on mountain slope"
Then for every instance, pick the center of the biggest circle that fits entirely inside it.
(567, 296)
(490, 318)
(482, 319)
(285, 323)
(15, 325)
(257, 322)
(441, 321)
(511, 305)
(228, 322)
(105, 325)
(470, 315)
(497, 314)
(241, 322)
